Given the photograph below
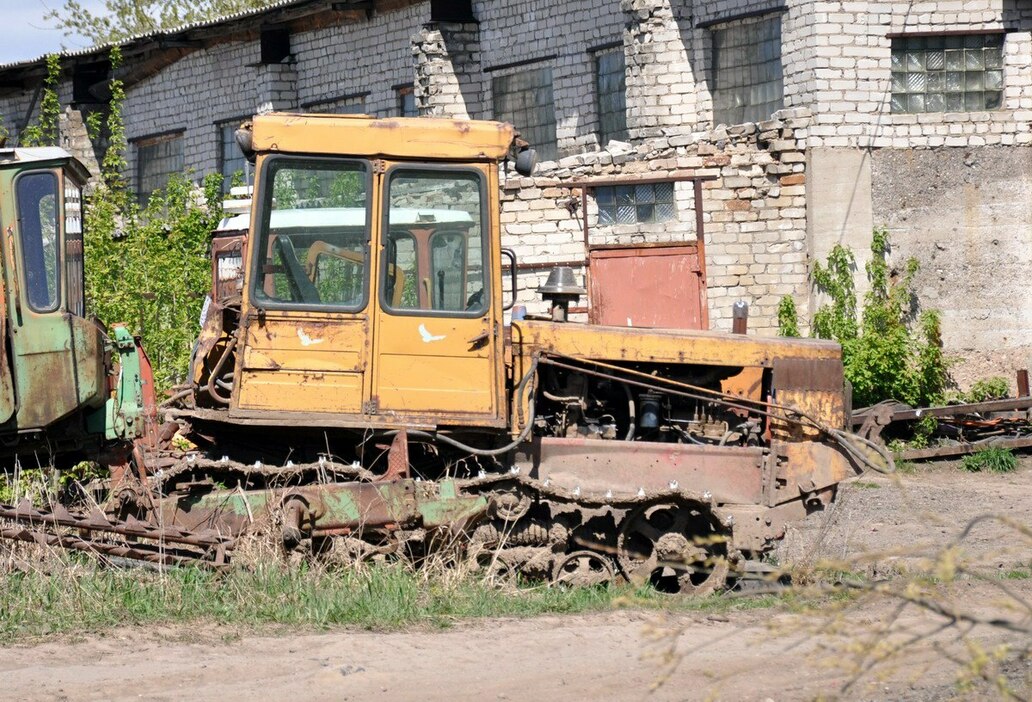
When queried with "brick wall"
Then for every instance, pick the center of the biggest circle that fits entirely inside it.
(754, 212)
(762, 230)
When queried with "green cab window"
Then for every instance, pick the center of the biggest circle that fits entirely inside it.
(313, 245)
(434, 248)
(39, 234)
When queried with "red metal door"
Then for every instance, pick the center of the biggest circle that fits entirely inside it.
(656, 287)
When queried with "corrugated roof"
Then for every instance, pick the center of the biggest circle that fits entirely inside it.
(104, 48)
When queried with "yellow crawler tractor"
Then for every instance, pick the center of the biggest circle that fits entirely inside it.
(356, 373)
(358, 381)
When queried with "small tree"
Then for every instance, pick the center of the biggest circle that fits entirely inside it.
(121, 19)
(150, 267)
(887, 353)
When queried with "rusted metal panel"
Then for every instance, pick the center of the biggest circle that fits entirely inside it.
(647, 287)
(731, 475)
(819, 374)
(808, 467)
(615, 343)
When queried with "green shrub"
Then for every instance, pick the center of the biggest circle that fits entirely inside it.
(887, 353)
(994, 388)
(788, 318)
(992, 459)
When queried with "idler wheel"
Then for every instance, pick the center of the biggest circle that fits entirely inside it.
(678, 548)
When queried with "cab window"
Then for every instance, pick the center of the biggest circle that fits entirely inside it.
(435, 242)
(39, 233)
(313, 246)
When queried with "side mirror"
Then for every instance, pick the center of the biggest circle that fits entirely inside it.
(526, 162)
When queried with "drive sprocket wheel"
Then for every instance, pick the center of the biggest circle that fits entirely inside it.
(679, 548)
(509, 504)
(582, 569)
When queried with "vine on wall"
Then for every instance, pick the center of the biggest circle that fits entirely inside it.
(145, 266)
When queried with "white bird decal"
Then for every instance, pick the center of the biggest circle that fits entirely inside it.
(427, 336)
(307, 340)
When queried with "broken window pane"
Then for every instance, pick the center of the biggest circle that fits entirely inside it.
(525, 100)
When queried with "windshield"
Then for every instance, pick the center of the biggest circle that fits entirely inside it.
(314, 234)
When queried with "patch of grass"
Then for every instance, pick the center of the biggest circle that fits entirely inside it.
(906, 467)
(992, 459)
(993, 388)
(83, 598)
(1016, 574)
(866, 485)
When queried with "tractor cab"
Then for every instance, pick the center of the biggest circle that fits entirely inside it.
(54, 384)
(372, 293)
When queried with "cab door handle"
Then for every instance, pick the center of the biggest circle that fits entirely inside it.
(479, 340)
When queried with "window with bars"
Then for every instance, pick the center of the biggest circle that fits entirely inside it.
(610, 92)
(643, 203)
(354, 105)
(231, 158)
(157, 158)
(525, 99)
(747, 75)
(956, 73)
(407, 101)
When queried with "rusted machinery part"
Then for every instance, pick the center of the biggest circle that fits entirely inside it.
(847, 441)
(498, 568)
(676, 547)
(190, 462)
(582, 569)
(97, 521)
(509, 504)
(214, 375)
(149, 553)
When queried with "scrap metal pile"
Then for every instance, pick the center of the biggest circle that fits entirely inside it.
(960, 429)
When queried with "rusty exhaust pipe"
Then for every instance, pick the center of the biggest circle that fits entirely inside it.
(740, 317)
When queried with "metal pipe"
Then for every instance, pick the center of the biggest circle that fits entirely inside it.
(210, 387)
(740, 317)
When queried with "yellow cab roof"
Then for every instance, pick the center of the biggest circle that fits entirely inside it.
(396, 137)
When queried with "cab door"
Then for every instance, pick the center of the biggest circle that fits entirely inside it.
(45, 342)
(436, 357)
(306, 333)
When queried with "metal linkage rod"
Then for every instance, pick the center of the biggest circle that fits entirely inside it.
(139, 552)
(25, 513)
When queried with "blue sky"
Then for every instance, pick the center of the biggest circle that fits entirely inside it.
(26, 35)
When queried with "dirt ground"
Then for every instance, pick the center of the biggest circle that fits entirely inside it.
(757, 654)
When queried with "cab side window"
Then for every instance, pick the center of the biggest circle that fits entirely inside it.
(435, 245)
(39, 232)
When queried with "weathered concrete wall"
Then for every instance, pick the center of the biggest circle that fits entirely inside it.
(966, 214)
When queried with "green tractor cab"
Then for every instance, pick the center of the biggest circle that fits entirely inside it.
(62, 396)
